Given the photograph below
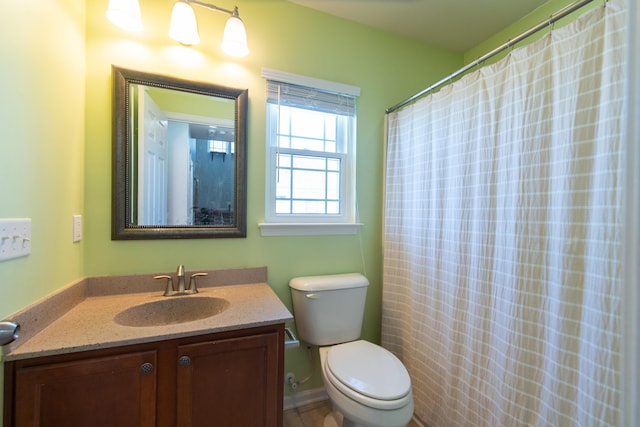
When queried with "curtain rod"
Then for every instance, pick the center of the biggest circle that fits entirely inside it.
(552, 19)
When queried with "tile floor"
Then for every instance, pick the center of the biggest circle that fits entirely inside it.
(312, 415)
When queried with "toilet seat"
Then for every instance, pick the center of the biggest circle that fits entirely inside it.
(369, 374)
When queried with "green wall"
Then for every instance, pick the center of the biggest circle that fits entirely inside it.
(42, 114)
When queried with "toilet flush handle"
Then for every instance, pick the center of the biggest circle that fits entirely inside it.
(312, 296)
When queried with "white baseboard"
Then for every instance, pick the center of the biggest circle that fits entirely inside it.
(303, 398)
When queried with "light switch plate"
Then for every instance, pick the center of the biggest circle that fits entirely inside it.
(15, 238)
(77, 228)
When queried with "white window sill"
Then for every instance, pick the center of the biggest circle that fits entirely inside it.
(302, 229)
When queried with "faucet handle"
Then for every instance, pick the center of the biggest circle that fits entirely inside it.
(193, 289)
(169, 289)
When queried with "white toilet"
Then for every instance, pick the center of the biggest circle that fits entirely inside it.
(366, 383)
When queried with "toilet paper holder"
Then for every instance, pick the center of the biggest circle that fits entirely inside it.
(9, 331)
(290, 340)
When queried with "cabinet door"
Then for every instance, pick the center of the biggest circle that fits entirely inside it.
(108, 391)
(230, 382)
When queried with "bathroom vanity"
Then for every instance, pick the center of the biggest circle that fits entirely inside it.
(85, 368)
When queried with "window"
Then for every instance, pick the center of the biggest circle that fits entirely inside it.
(310, 156)
(218, 146)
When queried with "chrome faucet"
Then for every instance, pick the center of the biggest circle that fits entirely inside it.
(180, 276)
(171, 290)
(193, 289)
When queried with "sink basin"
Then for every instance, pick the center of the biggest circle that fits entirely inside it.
(171, 310)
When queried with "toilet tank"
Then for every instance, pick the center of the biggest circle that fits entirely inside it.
(329, 309)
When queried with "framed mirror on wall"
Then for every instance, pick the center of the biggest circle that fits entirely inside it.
(179, 158)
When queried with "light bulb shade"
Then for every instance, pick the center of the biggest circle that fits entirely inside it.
(125, 14)
(234, 41)
(183, 27)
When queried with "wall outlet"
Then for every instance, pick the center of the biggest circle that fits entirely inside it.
(77, 228)
(15, 238)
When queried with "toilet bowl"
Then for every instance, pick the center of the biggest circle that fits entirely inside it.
(367, 384)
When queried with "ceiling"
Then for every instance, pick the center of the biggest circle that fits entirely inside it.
(454, 24)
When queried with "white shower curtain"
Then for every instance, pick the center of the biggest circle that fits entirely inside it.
(503, 235)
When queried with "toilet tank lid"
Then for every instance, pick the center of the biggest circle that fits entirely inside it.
(329, 282)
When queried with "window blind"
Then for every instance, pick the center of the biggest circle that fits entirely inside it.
(292, 95)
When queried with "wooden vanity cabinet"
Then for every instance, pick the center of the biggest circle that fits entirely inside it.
(97, 391)
(230, 379)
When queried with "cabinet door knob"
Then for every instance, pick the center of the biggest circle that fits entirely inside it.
(146, 368)
(184, 361)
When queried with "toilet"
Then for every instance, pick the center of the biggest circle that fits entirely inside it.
(367, 385)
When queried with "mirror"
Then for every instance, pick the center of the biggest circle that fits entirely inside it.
(179, 158)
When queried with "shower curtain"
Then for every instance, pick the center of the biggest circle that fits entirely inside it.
(503, 235)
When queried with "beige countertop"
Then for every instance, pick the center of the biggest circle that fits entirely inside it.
(80, 317)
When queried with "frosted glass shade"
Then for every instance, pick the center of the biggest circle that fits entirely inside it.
(234, 41)
(125, 14)
(184, 27)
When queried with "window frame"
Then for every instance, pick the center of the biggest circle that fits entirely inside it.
(311, 224)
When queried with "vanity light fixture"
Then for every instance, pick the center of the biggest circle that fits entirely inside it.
(125, 14)
(184, 27)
